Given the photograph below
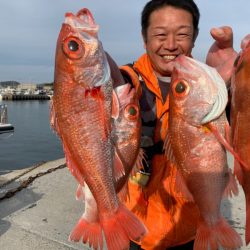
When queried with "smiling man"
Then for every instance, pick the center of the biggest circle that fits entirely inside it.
(169, 29)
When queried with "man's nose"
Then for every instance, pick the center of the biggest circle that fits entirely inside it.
(170, 42)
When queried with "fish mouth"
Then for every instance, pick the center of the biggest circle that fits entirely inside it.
(221, 99)
(83, 20)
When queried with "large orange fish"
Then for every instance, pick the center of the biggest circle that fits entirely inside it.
(240, 121)
(198, 98)
(126, 136)
(81, 114)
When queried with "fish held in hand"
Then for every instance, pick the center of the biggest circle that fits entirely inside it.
(198, 98)
(126, 136)
(81, 115)
(126, 131)
(240, 121)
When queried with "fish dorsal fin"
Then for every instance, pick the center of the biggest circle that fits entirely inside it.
(119, 170)
(168, 149)
(115, 106)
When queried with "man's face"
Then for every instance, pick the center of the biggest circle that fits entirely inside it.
(170, 33)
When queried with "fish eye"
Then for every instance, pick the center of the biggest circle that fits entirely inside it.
(73, 45)
(180, 87)
(73, 48)
(131, 112)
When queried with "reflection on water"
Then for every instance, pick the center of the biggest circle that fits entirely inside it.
(33, 140)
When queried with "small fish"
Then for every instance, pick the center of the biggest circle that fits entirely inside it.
(240, 121)
(81, 113)
(127, 134)
(198, 98)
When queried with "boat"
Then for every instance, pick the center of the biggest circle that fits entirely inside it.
(5, 127)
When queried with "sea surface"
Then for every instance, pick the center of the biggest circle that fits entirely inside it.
(33, 141)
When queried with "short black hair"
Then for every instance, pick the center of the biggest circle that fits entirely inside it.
(151, 6)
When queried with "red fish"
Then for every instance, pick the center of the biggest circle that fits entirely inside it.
(198, 97)
(126, 136)
(81, 114)
(240, 121)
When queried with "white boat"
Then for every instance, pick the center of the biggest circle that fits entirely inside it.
(5, 127)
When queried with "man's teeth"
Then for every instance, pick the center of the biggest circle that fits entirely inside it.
(169, 57)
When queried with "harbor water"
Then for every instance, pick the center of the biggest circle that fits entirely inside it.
(33, 141)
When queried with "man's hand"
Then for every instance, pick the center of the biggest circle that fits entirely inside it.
(222, 55)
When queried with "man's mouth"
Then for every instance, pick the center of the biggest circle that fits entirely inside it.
(169, 57)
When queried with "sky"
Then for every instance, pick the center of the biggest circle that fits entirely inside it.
(29, 31)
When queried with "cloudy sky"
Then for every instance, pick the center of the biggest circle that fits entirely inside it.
(29, 30)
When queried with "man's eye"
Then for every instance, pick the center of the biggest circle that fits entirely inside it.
(160, 35)
(183, 35)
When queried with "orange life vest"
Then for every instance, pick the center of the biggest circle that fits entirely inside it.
(170, 219)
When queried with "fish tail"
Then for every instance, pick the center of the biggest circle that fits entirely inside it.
(90, 233)
(220, 234)
(122, 228)
(247, 233)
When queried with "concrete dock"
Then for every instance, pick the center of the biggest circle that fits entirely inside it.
(38, 209)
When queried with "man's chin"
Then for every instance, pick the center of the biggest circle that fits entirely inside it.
(168, 69)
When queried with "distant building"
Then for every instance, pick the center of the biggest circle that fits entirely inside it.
(29, 86)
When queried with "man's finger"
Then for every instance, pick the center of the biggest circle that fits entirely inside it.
(223, 36)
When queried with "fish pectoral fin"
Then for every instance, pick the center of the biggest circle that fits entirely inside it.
(225, 143)
(119, 169)
(115, 106)
(181, 186)
(231, 187)
(168, 149)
